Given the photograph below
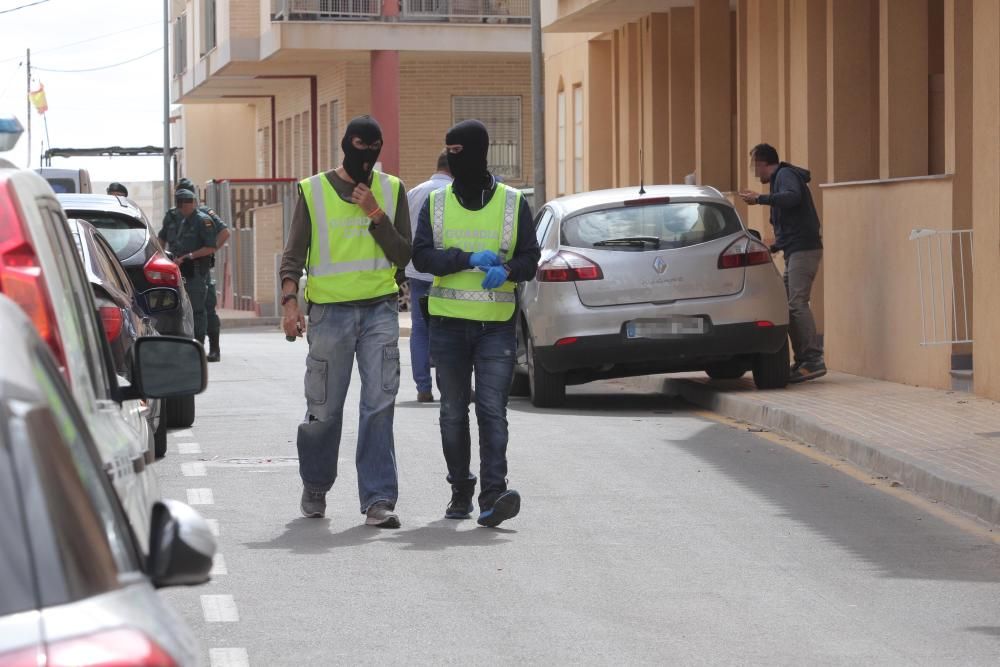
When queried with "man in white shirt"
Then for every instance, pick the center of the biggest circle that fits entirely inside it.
(420, 285)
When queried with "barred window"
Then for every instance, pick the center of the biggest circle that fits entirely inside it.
(502, 117)
(208, 22)
(180, 45)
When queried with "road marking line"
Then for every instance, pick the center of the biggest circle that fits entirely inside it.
(188, 448)
(200, 497)
(182, 434)
(213, 525)
(219, 609)
(219, 565)
(228, 657)
(193, 469)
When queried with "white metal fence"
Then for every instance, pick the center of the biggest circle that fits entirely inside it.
(944, 275)
(312, 10)
(476, 11)
(463, 11)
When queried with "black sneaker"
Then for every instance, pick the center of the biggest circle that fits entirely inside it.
(313, 504)
(507, 505)
(809, 370)
(460, 506)
(381, 515)
(794, 370)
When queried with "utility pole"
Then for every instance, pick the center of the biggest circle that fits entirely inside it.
(166, 106)
(28, 98)
(538, 102)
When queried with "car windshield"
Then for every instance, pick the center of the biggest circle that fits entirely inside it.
(650, 227)
(125, 235)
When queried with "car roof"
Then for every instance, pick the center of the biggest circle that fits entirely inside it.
(102, 203)
(597, 199)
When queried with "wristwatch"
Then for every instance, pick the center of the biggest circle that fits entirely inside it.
(288, 297)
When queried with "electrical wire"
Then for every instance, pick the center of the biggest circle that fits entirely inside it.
(14, 9)
(94, 69)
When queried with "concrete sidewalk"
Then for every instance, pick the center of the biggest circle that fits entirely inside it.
(231, 320)
(941, 444)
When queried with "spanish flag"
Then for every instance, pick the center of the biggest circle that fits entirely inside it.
(37, 98)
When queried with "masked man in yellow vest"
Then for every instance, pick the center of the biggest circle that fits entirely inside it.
(351, 232)
(476, 236)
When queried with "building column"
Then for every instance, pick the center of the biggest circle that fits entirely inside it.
(598, 120)
(763, 104)
(903, 88)
(851, 90)
(629, 91)
(680, 63)
(986, 194)
(806, 111)
(655, 98)
(385, 98)
(713, 93)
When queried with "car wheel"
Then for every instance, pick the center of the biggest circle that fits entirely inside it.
(180, 411)
(727, 370)
(770, 371)
(160, 434)
(520, 385)
(548, 390)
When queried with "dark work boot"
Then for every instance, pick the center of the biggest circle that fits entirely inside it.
(213, 347)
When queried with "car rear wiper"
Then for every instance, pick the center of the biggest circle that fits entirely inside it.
(631, 241)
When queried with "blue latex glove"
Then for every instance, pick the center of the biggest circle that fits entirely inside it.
(484, 258)
(495, 277)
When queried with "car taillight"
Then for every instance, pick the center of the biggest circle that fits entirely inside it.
(21, 276)
(744, 252)
(111, 319)
(112, 648)
(566, 267)
(161, 271)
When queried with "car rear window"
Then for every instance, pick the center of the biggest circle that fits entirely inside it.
(125, 235)
(62, 185)
(650, 227)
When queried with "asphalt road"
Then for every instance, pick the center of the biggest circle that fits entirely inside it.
(649, 534)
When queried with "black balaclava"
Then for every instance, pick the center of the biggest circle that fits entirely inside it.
(359, 163)
(468, 167)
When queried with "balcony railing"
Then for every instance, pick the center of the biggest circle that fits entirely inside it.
(466, 11)
(325, 10)
(442, 11)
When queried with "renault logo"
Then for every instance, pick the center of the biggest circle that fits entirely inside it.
(659, 265)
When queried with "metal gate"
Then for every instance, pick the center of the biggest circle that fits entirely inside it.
(233, 199)
(944, 260)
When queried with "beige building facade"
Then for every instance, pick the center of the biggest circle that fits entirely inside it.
(264, 89)
(894, 105)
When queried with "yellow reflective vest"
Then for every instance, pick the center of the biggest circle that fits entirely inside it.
(494, 227)
(344, 262)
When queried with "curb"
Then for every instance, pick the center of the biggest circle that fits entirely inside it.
(921, 476)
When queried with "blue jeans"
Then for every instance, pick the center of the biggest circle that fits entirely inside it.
(335, 334)
(420, 354)
(459, 348)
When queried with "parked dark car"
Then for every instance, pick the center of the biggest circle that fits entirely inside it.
(75, 587)
(122, 311)
(134, 242)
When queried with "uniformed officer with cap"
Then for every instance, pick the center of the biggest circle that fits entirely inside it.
(192, 242)
(172, 218)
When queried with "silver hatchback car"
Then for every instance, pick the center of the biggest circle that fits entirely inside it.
(636, 284)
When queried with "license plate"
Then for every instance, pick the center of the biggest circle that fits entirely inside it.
(665, 327)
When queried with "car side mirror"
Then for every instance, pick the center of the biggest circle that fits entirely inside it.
(754, 233)
(160, 299)
(166, 367)
(181, 546)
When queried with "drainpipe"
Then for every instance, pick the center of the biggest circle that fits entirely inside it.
(538, 102)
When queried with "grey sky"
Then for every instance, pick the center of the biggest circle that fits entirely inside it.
(116, 106)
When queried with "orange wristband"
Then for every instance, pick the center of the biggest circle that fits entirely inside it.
(374, 214)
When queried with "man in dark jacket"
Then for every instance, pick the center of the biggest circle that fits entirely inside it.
(797, 234)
